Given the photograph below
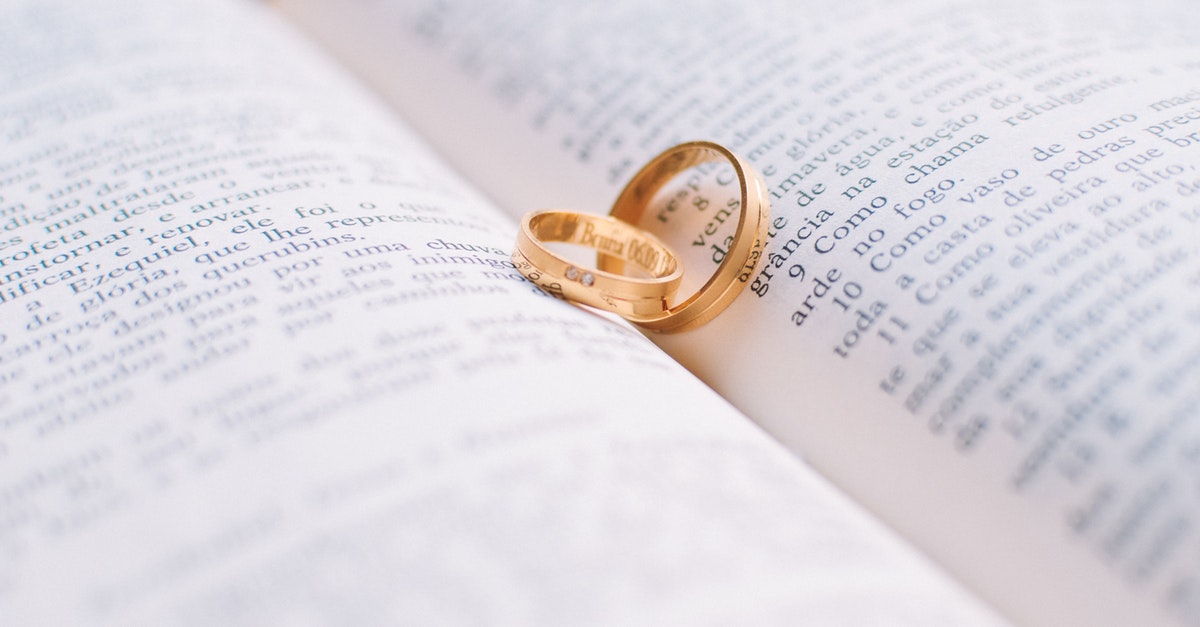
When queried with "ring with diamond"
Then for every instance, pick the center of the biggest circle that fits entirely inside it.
(631, 297)
(743, 255)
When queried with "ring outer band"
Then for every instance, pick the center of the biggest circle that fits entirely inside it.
(735, 270)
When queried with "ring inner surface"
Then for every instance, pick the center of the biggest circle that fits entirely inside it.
(607, 236)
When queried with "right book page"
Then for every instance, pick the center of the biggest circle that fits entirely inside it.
(978, 308)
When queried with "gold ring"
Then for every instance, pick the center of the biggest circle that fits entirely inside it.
(634, 298)
(738, 265)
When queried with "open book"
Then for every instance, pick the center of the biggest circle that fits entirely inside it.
(264, 357)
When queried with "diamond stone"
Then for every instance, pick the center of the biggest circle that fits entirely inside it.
(587, 279)
(572, 273)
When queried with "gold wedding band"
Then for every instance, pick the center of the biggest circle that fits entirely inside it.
(631, 297)
(738, 265)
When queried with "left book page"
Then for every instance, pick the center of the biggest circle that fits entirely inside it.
(264, 360)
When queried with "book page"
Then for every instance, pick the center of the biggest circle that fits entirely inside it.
(264, 360)
(978, 306)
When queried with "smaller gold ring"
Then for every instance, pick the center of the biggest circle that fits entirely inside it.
(748, 239)
(634, 298)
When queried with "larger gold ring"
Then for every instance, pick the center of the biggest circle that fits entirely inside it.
(631, 297)
(738, 265)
